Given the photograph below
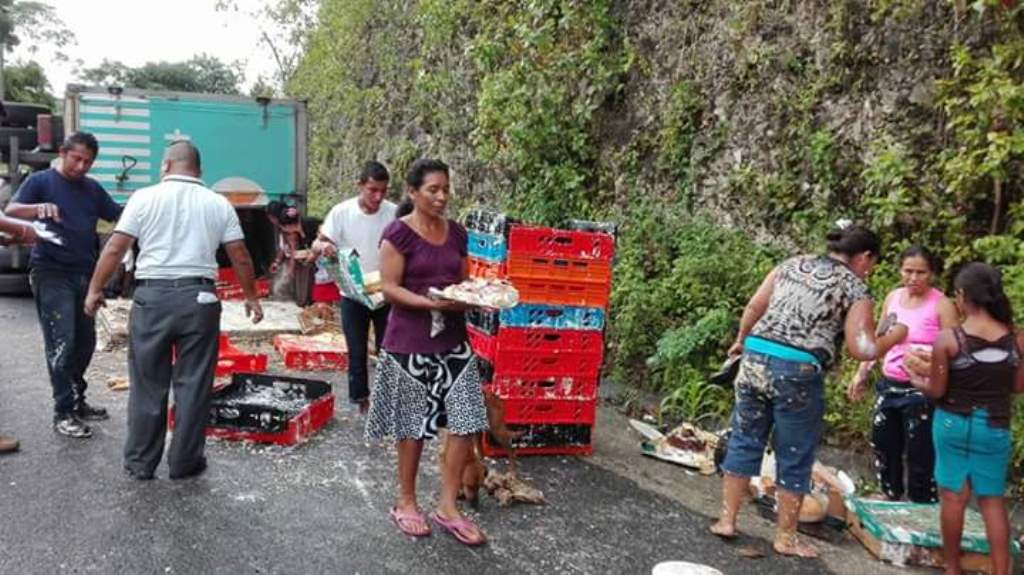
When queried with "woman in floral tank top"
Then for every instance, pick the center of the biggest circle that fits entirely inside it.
(789, 336)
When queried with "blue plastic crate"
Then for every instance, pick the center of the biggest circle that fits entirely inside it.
(488, 247)
(553, 316)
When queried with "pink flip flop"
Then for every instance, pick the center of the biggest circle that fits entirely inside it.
(405, 520)
(458, 529)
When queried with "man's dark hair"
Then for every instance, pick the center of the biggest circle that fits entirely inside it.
(373, 170)
(81, 139)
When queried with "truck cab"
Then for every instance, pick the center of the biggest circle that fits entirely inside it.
(29, 138)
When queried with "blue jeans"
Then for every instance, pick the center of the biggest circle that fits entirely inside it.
(782, 399)
(68, 334)
(355, 322)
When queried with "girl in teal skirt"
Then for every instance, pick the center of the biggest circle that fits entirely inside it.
(972, 372)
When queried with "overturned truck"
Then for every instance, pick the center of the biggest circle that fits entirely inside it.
(253, 152)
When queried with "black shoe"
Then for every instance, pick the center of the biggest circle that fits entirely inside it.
(70, 426)
(86, 412)
(193, 471)
(138, 475)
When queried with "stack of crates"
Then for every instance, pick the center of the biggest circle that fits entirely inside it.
(543, 357)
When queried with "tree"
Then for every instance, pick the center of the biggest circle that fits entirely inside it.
(26, 82)
(203, 73)
(38, 22)
(284, 26)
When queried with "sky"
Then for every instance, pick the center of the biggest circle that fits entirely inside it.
(140, 31)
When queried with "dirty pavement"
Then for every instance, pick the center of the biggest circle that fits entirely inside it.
(322, 506)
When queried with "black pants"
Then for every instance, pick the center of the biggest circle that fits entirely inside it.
(355, 322)
(68, 334)
(904, 428)
(168, 322)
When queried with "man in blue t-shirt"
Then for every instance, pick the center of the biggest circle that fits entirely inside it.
(69, 204)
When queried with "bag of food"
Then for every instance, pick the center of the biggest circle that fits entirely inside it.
(348, 274)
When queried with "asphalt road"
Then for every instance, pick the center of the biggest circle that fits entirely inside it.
(317, 508)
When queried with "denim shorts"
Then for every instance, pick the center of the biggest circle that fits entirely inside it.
(784, 400)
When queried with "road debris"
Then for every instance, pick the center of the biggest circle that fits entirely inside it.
(686, 445)
(508, 488)
(319, 318)
(118, 384)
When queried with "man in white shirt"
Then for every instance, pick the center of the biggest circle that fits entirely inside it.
(178, 224)
(359, 223)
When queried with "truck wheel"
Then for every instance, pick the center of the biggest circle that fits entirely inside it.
(27, 138)
(21, 115)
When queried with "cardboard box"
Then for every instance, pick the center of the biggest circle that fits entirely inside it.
(907, 534)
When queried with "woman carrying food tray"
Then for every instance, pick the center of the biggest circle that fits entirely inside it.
(427, 376)
(789, 336)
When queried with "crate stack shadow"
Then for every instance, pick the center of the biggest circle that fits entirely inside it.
(543, 357)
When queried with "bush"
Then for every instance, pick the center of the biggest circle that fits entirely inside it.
(680, 285)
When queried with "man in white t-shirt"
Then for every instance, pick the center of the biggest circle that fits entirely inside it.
(178, 224)
(359, 223)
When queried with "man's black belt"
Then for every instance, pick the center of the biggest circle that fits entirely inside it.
(179, 282)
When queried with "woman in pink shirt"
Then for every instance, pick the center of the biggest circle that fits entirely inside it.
(902, 422)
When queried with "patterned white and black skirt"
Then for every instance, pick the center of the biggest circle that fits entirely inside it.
(415, 394)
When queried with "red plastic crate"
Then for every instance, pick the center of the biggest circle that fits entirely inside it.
(540, 241)
(546, 339)
(313, 416)
(534, 339)
(306, 353)
(514, 386)
(539, 364)
(317, 415)
(233, 291)
(545, 268)
(230, 359)
(482, 343)
(575, 411)
(226, 275)
(544, 440)
(487, 270)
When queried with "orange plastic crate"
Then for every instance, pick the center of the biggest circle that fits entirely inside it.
(557, 292)
(487, 270)
(534, 267)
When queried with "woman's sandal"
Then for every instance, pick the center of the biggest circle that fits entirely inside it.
(460, 529)
(411, 523)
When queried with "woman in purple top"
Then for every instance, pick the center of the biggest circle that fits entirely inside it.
(427, 376)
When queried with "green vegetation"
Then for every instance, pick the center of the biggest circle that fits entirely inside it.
(201, 73)
(721, 135)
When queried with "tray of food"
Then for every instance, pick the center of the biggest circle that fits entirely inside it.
(480, 292)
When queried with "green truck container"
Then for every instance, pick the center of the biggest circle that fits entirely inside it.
(253, 149)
